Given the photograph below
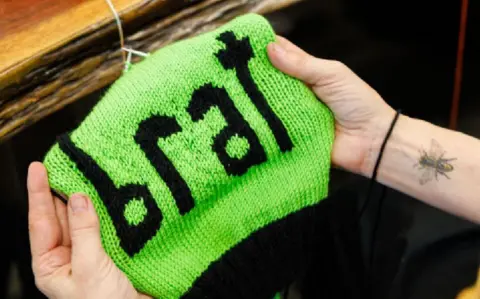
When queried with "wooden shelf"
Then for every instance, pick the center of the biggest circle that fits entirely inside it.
(55, 52)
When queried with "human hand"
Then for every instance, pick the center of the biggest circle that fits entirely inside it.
(362, 118)
(68, 259)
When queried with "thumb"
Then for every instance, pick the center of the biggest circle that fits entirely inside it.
(88, 255)
(295, 62)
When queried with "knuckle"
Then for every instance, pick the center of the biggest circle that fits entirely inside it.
(337, 63)
(37, 224)
(303, 61)
(334, 71)
(83, 232)
(306, 65)
(84, 223)
(338, 66)
(297, 60)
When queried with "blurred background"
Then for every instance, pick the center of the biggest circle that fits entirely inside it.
(406, 50)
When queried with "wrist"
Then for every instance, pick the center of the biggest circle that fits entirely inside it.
(379, 131)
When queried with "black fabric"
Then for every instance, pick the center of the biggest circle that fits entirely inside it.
(148, 133)
(284, 251)
(337, 269)
(236, 56)
(439, 270)
(132, 238)
(209, 96)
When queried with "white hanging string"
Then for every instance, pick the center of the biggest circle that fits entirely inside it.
(127, 63)
(130, 52)
(138, 53)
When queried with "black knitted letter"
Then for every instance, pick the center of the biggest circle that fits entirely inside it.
(132, 237)
(208, 96)
(148, 133)
(236, 56)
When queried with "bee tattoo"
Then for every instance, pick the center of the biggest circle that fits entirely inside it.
(433, 163)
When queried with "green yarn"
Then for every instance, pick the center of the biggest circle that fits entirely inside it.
(135, 211)
(278, 296)
(227, 208)
(237, 147)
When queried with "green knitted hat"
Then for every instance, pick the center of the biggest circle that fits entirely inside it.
(196, 160)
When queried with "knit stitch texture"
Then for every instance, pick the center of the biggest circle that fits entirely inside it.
(192, 151)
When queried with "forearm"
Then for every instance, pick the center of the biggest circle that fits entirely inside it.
(446, 176)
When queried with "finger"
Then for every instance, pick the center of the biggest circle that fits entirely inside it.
(62, 216)
(44, 229)
(88, 255)
(293, 61)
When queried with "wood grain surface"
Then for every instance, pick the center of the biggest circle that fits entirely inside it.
(87, 59)
(17, 15)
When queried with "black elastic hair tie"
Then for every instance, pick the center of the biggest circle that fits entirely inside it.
(370, 287)
(377, 164)
(59, 195)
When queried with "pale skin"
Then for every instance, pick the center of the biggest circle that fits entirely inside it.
(68, 260)
(362, 121)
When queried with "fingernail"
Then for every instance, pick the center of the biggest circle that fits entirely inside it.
(78, 203)
(278, 49)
